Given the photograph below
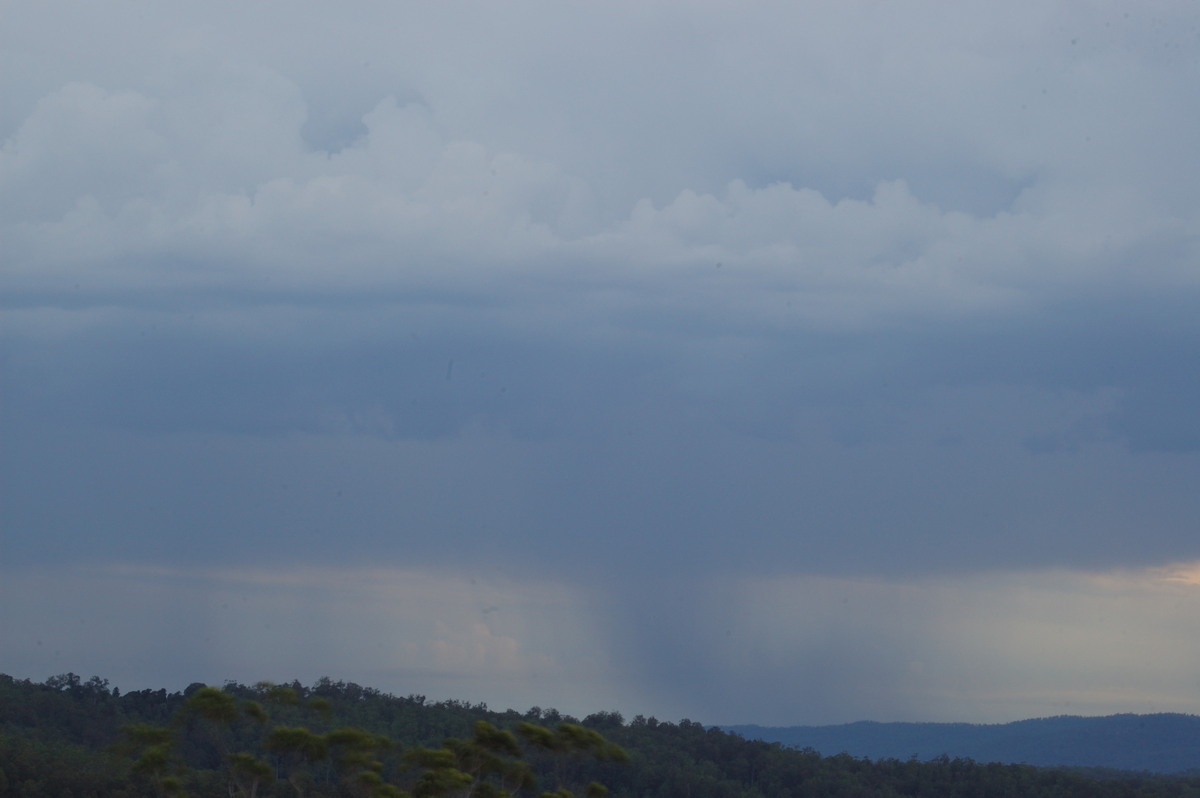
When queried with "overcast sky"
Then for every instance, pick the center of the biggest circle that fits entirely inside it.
(785, 363)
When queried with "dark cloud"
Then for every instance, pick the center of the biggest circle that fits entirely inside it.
(672, 306)
(853, 452)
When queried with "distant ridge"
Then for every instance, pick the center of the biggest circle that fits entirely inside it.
(1161, 743)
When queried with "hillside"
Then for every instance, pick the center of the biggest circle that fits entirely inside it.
(1161, 743)
(70, 737)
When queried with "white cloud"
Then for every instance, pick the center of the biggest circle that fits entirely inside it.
(116, 185)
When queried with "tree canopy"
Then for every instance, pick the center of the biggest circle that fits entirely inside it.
(71, 737)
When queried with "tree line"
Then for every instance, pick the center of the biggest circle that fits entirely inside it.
(71, 738)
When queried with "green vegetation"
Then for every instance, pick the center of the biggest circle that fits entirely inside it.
(67, 738)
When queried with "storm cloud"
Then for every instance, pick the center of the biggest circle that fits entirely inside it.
(666, 358)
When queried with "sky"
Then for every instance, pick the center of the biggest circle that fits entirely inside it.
(785, 363)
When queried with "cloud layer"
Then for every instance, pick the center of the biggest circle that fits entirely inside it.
(638, 300)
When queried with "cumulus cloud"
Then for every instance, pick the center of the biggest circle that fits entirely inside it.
(207, 165)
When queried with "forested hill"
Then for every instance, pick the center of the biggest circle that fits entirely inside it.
(1162, 743)
(74, 738)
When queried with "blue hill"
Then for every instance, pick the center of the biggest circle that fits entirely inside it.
(1161, 743)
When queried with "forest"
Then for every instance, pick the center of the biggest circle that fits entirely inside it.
(73, 738)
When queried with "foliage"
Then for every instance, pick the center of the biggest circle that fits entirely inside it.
(81, 738)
